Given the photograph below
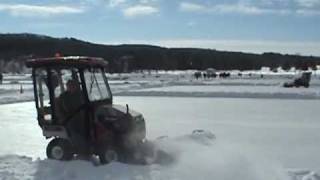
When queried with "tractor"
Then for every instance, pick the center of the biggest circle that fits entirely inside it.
(75, 111)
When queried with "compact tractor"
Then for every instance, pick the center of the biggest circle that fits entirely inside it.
(75, 110)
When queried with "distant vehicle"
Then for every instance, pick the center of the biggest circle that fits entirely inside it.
(78, 132)
(304, 81)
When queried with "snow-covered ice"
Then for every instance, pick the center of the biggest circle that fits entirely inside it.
(270, 138)
(182, 84)
(238, 91)
(249, 144)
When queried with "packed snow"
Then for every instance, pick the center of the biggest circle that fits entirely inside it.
(263, 131)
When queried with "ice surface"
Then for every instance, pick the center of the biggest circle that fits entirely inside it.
(272, 135)
(256, 139)
(234, 91)
(181, 84)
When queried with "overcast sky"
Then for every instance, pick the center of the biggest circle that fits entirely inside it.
(285, 26)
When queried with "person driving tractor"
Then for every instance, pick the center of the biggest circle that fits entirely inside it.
(72, 99)
(70, 105)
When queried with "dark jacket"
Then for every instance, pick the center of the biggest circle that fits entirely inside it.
(71, 104)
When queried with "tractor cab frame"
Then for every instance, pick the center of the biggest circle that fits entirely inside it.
(50, 76)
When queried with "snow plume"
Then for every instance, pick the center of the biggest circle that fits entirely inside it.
(197, 157)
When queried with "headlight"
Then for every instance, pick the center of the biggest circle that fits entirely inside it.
(139, 118)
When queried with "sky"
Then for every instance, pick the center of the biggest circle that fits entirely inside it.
(284, 26)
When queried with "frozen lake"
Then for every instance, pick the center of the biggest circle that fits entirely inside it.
(287, 130)
(284, 130)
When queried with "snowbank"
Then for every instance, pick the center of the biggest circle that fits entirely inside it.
(197, 157)
(200, 164)
(282, 128)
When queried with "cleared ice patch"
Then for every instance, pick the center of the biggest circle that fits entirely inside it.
(228, 91)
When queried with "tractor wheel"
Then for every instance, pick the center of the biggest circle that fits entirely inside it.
(107, 155)
(59, 149)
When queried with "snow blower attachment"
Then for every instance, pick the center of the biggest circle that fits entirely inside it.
(74, 104)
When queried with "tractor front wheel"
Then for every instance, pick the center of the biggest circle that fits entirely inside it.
(59, 149)
(107, 155)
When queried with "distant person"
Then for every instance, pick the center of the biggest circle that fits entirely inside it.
(204, 75)
(197, 75)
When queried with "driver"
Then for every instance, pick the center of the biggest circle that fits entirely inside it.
(72, 99)
(70, 104)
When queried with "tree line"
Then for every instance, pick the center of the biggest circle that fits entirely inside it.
(19, 47)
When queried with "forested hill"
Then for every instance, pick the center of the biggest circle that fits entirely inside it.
(18, 47)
